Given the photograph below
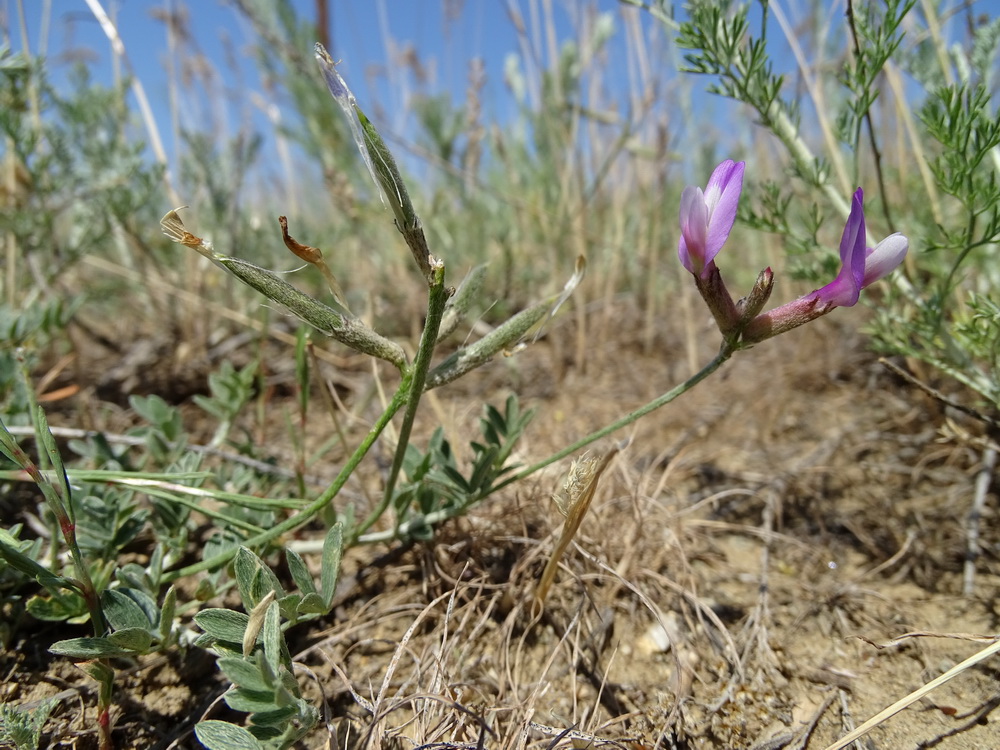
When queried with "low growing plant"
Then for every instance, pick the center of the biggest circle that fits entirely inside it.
(21, 729)
(423, 488)
(435, 488)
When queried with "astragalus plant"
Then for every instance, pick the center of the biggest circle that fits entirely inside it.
(249, 645)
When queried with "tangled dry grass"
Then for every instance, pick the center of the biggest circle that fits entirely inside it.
(740, 562)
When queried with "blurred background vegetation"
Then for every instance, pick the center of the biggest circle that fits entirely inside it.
(616, 106)
(590, 160)
(898, 97)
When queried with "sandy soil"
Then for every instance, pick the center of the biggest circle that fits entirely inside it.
(740, 562)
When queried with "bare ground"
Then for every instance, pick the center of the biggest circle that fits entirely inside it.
(743, 557)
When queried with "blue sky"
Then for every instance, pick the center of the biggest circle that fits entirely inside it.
(362, 33)
(368, 37)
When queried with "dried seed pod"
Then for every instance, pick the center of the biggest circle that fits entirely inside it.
(573, 500)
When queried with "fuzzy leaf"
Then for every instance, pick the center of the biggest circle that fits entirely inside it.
(223, 624)
(245, 568)
(132, 639)
(276, 717)
(300, 573)
(67, 607)
(123, 611)
(249, 701)
(272, 637)
(10, 552)
(167, 613)
(87, 648)
(333, 551)
(244, 674)
(99, 672)
(221, 735)
(312, 604)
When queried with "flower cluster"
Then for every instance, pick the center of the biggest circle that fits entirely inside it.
(707, 218)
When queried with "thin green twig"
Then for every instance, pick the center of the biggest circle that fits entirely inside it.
(437, 298)
(724, 354)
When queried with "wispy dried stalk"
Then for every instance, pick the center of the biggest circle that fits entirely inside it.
(573, 500)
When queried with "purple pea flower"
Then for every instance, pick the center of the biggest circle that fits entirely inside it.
(844, 290)
(707, 217)
(860, 266)
(884, 258)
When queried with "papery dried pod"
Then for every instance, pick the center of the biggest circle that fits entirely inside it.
(573, 499)
(334, 323)
(256, 623)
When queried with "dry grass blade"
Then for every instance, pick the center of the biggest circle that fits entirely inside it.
(913, 697)
(118, 46)
(573, 500)
(379, 709)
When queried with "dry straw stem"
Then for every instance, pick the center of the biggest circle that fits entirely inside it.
(381, 707)
(347, 330)
(816, 94)
(156, 143)
(916, 695)
(573, 499)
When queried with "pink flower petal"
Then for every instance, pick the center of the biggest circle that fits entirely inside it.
(844, 290)
(694, 225)
(722, 196)
(884, 257)
(707, 217)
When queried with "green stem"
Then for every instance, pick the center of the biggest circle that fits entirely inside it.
(724, 354)
(82, 583)
(61, 506)
(307, 513)
(437, 298)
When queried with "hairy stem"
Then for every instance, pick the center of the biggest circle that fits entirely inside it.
(437, 298)
(309, 512)
(724, 354)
